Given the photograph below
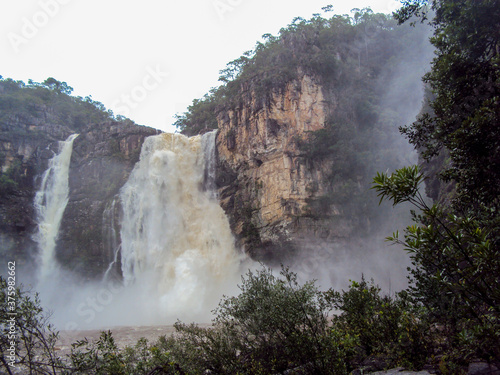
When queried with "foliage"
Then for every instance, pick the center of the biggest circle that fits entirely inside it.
(273, 325)
(390, 328)
(18, 98)
(456, 267)
(27, 339)
(9, 179)
(276, 325)
(200, 116)
(455, 247)
(465, 79)
(104, 357)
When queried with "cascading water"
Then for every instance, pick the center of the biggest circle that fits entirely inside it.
(110, 237)
(50, 203)
(177, 247)
(177, 253)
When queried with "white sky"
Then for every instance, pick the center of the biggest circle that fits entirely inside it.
(144, 59)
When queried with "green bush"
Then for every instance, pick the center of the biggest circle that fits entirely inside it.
(103, 357)
(273, 325)
(386, 327)
(27, 339)
(456, 268)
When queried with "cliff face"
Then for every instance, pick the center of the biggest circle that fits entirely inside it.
(103, 156)
(265, 183)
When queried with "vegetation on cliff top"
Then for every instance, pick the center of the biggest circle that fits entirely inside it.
(345, 53)
(354, 59)
(20, 99)
(25, 106)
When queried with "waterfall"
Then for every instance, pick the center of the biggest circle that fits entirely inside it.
(208, 149)
(50, 203)
(110, 237)
(177, 247)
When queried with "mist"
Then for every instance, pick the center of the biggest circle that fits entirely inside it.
(371, 256)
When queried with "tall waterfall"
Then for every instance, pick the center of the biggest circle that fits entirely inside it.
(177, 247)
(50, 203)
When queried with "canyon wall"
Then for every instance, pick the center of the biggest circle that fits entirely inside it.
(103, 156)
(265, 183)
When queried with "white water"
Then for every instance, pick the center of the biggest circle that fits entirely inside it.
(110, 237)
(177, 247)
(50, 203)
(177, 253)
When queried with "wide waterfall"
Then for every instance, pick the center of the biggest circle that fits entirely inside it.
(177, 246)
(50, 203)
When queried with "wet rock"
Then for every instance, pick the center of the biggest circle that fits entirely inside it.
(483, 368)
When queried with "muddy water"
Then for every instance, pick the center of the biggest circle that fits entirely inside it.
(124, 336)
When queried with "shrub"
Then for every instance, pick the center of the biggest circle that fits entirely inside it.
(386, 327)
(274, 325)
(27, 339)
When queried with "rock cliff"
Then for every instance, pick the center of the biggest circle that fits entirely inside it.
(265, 183)
(103, 156)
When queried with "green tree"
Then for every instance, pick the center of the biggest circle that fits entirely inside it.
(455, 247)
(456, 267)
(61, 87)
(273, 325)
(465, 79)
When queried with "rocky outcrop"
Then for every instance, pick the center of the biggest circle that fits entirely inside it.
(265, 183)
(27, 142)
(103, 156)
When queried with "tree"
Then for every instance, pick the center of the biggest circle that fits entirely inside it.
(465, 79)
(456, 266)
(27, 339)
(60, 87)
(456, 247)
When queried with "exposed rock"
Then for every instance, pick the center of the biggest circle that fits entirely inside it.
(103, 156)
(264, 182)
(483, 368)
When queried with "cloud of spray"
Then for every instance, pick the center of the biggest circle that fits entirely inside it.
(333, 265)
(76, 304)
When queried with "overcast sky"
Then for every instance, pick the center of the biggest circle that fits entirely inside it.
(144, 59)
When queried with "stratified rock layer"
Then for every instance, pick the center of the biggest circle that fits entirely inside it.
(264, 182)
